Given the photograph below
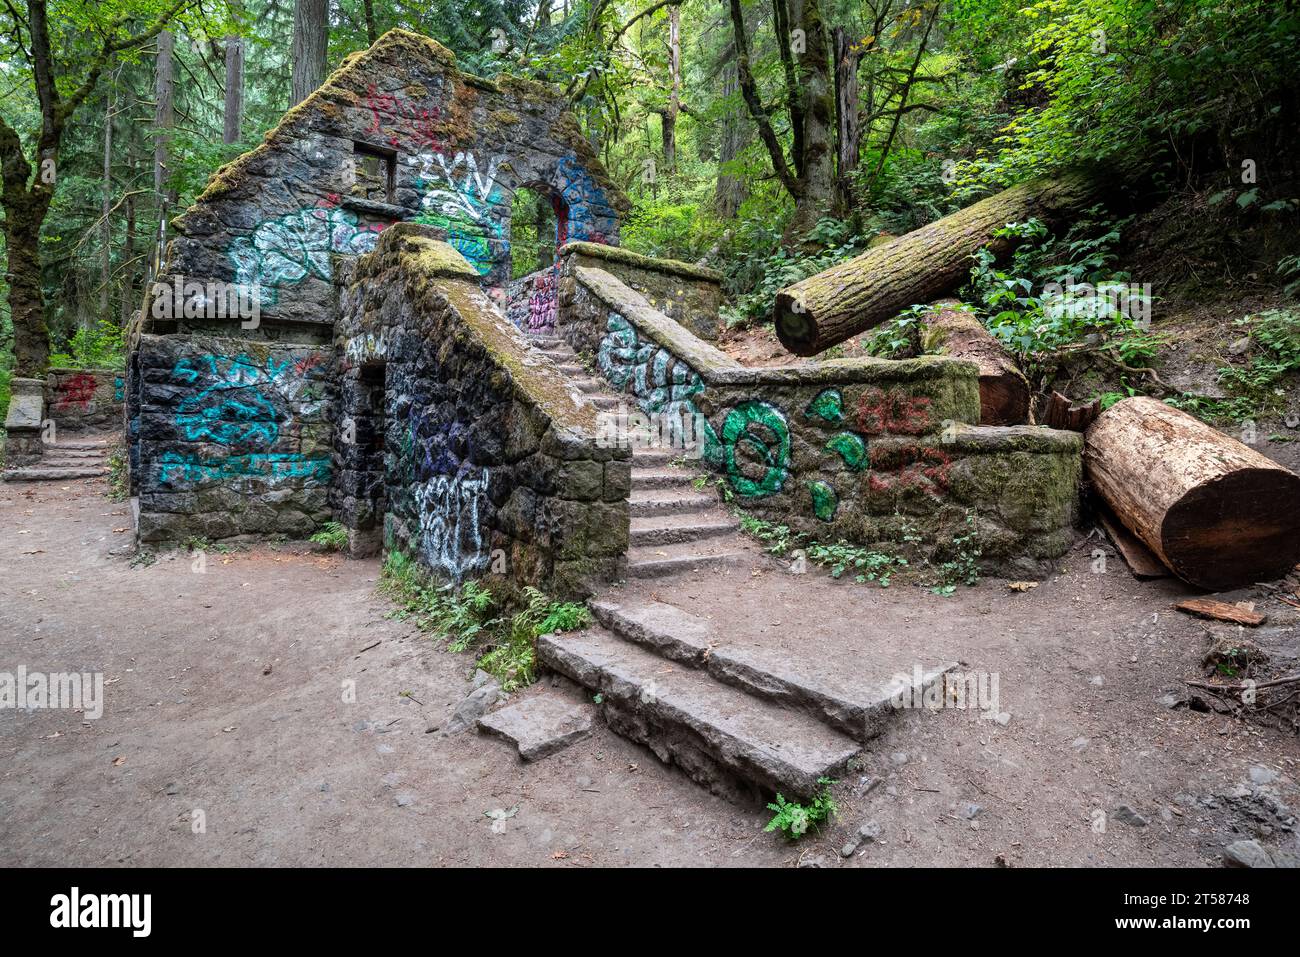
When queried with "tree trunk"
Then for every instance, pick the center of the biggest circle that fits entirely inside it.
(234, 112)
(818, 160)
(848, 128)
(311, 31)
(921, 266)
(1004, 390)
(1218, 513)
(368, 6)
(164, 115)
(730, 190)
(106, 206)
(26, 303)
(669, 127)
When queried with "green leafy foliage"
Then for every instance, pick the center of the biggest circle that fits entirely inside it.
(1254, 388)
(794, 819)
(332, 537)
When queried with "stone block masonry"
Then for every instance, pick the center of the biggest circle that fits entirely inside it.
(81, 399)
(872, 452)
(471, 450)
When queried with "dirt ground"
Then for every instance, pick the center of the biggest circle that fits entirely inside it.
(225, 696)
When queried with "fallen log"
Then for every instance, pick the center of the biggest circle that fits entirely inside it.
(1216, 512)
(921, 266)
(1061, 413)
(1136, 555)
(1004, 391)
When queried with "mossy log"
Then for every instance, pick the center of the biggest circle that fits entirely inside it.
(1004, 391)
(1216, 512)
(837, 304)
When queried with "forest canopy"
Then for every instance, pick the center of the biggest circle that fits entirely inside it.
(769, 138)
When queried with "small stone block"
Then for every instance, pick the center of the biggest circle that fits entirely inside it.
(540, 725)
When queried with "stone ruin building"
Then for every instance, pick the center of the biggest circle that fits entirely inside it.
(396, 380)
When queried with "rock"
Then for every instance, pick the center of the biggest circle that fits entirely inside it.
(1125, 814)
(473, 707)
(1170, 701)
(481, 678)
(1239, 347)
(899, 757)
(323, 787)
(968, 811)
(1246, 854)
(1096, 681)
(815, 861)
(1262, 775)
(1080, 743)
(540, 725)
(1003, 718)
(404, 800)
(863, 835)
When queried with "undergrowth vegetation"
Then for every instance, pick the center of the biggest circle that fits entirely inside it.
(469, 617)
(794, 819)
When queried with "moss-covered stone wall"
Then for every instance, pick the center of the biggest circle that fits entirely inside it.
(869, 451)
(466, 447)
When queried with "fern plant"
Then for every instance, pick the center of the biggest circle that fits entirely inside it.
(794, 819)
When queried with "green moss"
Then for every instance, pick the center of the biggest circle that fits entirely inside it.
(636, 260)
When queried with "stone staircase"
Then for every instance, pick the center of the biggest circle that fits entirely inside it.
(675, 526)
(737, 715)
(65, 460)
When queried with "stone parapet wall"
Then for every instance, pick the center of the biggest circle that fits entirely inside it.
(476, 453)
(688, 294)
(81, 399)
(868, 451)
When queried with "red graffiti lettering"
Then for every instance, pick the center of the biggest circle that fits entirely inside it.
(401, 124)
(911, 466)
(77, 392)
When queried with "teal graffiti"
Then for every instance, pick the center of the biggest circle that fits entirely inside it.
(761, 428)
(825, 501)
(469, 206)
(272, 466)
(851, 448)
(240, 403)
(283, 252)
(661, 384)
(828, 406)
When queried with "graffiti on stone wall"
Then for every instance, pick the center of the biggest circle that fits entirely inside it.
(661, 384)
(584, 213)
(179, 469)
(451, 513)
(543, 305)
(462, 196)
(75, 393)
(244, 406)
(400, 123)
(283, 252)
(756, 449)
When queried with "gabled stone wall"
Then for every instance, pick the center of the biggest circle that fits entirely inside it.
(397, 133)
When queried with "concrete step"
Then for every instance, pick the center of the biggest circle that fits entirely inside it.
(41, 474)
(675, 529)
(59, 462)
(662, 478)
(653, 458)
(604, 401)
(858, 707)
(659, 561)
(729, 741)
(643, 503)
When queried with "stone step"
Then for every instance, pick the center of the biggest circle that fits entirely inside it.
(662, 478)
(643, 503)
(858, 707)
(79, 444)
(60, 462)
(592, 385)
(604, 401)
(545, 343)
(39, 474)
(675, 529)
(77, 452)
(729, 741)
(659, 561)
(653, 457)
(573, 370)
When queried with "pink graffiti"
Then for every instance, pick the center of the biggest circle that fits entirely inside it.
(543, 308)
(77, 392)
(880, 411)
(401, 124)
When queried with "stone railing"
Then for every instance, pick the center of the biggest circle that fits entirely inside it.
(869, 451)
(477, 452)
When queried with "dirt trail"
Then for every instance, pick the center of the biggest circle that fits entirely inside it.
(286, 772)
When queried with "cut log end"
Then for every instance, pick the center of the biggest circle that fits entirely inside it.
(794, 327)
(1242, 528)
